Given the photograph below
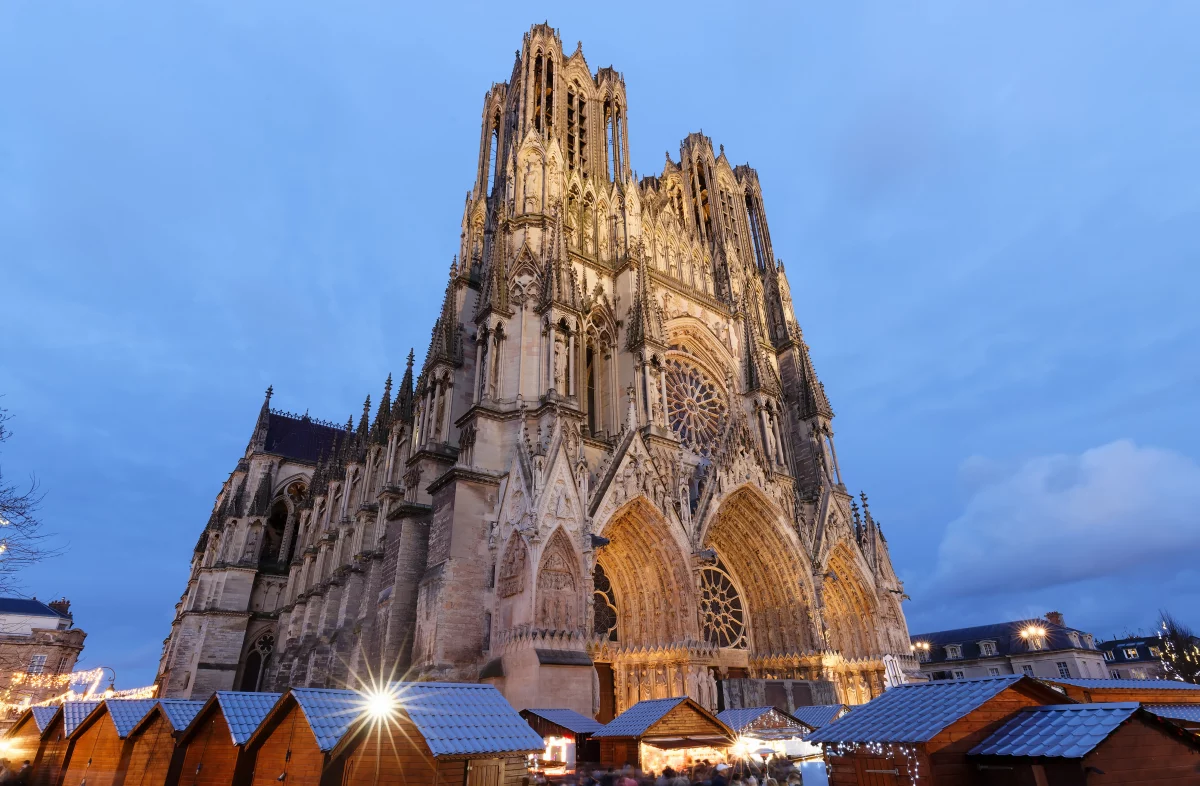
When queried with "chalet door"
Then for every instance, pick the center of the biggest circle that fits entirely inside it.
(485, 772)
(877, 772)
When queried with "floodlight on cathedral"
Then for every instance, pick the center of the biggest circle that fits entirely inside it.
(612, 477)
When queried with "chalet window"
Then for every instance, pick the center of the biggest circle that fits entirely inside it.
(987, 648)
(37, 664)
(1130, 653)
(1027, 670)
(958, 674)
(1063, 670)
(953, 652)
(993, 672)
(1108, 655)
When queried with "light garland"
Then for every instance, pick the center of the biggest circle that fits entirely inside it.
(89, 680)
(912, 760)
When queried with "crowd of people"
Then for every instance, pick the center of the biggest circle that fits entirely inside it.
(777, 772)
(11, 777)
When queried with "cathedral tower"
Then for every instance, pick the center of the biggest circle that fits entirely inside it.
(612, 478)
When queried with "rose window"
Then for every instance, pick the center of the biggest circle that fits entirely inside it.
(722, 616)
(695, 406)
(604, 605)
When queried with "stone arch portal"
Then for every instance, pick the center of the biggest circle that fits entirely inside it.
(850, 609)
(650, 578)
(771, 570)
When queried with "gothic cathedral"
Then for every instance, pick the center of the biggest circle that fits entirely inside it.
(613, 478)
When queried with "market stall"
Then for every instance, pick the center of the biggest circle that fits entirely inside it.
(658, 733)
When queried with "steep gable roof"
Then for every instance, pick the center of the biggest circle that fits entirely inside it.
(75, 712)
(918, 712)
(568, 719)
(1069, 731)
(126, 713)
(819, 715)
(465, 718)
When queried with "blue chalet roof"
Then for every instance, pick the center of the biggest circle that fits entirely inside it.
(42, 716)
(74, 712)
(180, 712)
(126, 713)
(1124, 684)
(1185, 712)
(244, 711)
(819, 715)
(634, 721)
(569, 720)
(329, 712)
(1068, 731)
(914, 713)
(738, 719)
(466, 718)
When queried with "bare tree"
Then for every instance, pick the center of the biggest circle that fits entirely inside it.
(23, 541)
(1180, 651)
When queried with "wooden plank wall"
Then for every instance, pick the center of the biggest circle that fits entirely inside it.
(95, 754)
(289, 748)
(53, 750)
(150, 750)
(1090, 695)
(683, 720)
(948, 750)
(23, 739)
(1138, 753)
(396, 755)
(209, 755)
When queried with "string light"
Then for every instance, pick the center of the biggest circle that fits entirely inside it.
(89, 680)
(912, 759)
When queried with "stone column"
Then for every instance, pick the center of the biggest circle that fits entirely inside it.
(480, 340)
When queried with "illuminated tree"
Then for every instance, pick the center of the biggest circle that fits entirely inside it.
(1180, 653)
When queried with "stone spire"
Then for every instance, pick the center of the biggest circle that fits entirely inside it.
(258, 440)
(445, 345)
(364, 422)
(645, 318)
(559, 286)
(495, 284)
(262, 496)
(813, 402)
(383, 415)
(760, 374)
(402, 409)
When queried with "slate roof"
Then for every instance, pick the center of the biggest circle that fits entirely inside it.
(180, 712)
(1141, 646)
(1123, 684)
(569, 720)
(244, 711)
(30, 606)
(634, 721)
(1006, 635)
(818, 715)
(913, 713)
(329, 713)
(1185, 712)
(74, 712)
(465, 718)
(301, 438)
(126, 713)
(1068, 731)
(42, 716)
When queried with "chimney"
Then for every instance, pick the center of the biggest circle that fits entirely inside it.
(1056, 617)
(62, 606)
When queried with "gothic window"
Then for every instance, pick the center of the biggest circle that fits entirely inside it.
(695, 406)
(722, 616)
(537, 92)
(756, 231)
(572, 128)
(604, 605)
(609, 141)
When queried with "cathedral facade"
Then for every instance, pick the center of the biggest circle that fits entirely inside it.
(612, 478)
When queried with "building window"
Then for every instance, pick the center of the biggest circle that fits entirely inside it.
(987, 648)
(1155, 652)
(993, 672)
(923, 655)
(1063, 671)
(1108, 655)
(1130, 653)
(1074, 637)
(958, 674)
(1027, 670)
(1116, 675)
(37, 664)
(1137, 674)
(62, 664)
(953, 652)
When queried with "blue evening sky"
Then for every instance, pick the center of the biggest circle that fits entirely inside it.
(989, 213)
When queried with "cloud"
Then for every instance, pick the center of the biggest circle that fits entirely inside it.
(1054, 520)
